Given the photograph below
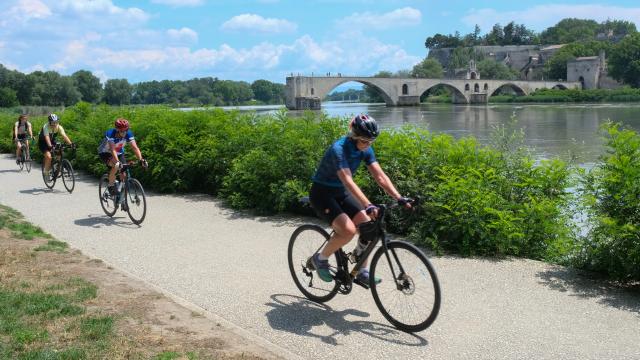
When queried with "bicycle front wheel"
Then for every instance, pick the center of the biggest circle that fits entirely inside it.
(49, 178)
(409, 294)
(68, 177)
(107, 201)
(136, 201)
(27, 163)
(304, 243)
(21, 159)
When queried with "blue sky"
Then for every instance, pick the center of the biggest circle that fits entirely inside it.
(255, 39)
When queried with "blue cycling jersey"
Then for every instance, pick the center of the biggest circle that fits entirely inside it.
(343, 154)
(119, 142)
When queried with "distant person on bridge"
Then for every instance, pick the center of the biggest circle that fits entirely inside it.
(47, 140)
(336, 198)
(21, 129)
(111, 150)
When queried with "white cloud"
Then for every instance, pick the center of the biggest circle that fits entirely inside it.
(25, 10)
(253, 22)
(542, 16)
(184, 34)
(179, 2)
(406, 16)
(100, 8)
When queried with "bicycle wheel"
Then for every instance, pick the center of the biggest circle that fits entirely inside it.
(21, 159)
(411, 301)
(136, 201)
(27, 158)
(68, 177)
(49, 178)
(306, 241)
(107, 201)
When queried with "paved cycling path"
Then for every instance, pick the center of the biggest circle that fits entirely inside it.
(235, 266)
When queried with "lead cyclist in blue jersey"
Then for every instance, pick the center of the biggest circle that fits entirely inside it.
(111, 150)
(336, 198)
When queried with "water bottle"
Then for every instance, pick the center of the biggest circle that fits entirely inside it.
(359, 249)
(118, 186)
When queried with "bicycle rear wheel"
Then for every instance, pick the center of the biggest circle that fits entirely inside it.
(411, 299)
(136, 201)
(68, 177)
(304, 243)
(107, 201)
(49, 178)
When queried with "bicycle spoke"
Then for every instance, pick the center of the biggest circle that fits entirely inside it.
(411, 301)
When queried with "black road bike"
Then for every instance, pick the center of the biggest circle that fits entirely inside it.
(24, 162)
(60, 168)
(409, 294)
(129, 198)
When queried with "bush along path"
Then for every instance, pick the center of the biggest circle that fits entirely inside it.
(492, 200)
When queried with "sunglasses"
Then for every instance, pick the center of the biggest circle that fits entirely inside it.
(366, 141)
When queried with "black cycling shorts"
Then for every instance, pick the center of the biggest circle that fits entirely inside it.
(106, 158)
(329, 202)
(21, 137)
(43, 145)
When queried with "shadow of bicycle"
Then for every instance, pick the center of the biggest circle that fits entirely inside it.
(100, 221)
(42, 191)
(299, 316)
(10, 171)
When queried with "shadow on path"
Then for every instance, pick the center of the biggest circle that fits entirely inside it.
(299, 316)
(576, 283)
(42, 191)
(10, 171)
(98, 221)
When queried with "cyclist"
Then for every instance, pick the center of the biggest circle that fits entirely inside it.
(20, 131)
(336, 198)
(111, 150)
(47, 139)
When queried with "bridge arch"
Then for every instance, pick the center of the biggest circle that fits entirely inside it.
(517, 89)
(458, 96)
(560, 87)
(322, 91)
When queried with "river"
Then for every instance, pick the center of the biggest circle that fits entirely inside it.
(551, 129)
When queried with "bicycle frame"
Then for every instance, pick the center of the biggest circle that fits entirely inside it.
(343, 258)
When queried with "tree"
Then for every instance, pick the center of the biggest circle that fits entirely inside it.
(570, 30)
(491, 69)
(117, 92)
(8, 97)
(617, 27)
(495, 36)
(428, 68)
(88, 85)
(268, 92)
(624, 60)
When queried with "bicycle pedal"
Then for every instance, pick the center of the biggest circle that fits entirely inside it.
(361, 283)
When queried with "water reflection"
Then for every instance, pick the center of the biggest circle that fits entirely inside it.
(552, 130)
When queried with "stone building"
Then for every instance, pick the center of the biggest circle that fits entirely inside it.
(591, 71)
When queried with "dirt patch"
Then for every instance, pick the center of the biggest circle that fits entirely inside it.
(147, 323)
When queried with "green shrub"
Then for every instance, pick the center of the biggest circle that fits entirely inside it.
(612, 190)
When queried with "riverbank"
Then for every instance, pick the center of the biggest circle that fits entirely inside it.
(57, 303)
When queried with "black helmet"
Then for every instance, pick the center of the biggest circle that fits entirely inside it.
(364, 126)
(53, 118)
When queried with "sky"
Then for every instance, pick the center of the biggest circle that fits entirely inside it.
(256, 39)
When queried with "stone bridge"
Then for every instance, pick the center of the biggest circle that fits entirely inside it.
(305, 92)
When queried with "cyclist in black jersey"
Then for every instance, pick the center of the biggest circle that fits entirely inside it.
(21, 129)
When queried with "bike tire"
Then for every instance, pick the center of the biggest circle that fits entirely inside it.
(50, 183)
(107, 201)
(413, 280)
(68, 177)
(309, 238)
(27, 163)
(21, 160)
(135, 199)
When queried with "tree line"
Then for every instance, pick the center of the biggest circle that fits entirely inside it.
(566, 31)
(49, 88)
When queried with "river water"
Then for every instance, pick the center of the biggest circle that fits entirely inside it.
(551, 130)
